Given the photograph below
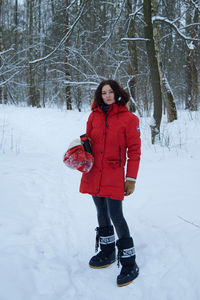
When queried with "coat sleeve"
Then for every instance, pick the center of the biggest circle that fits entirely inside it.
(133, 143)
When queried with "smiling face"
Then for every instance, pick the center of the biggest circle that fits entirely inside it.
(107, 94)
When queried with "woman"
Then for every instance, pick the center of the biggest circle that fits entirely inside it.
(113, 132)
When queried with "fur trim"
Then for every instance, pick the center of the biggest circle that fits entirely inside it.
(74, 143)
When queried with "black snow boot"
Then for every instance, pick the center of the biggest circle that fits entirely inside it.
(105, 236)
(126, 256)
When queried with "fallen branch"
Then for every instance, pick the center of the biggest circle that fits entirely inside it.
(196, 225)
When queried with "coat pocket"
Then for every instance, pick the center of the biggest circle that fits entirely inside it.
(114, 164)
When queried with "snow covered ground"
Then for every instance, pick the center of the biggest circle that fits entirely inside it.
(47, 227)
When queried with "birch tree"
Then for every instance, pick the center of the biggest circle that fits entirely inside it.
(167, 93)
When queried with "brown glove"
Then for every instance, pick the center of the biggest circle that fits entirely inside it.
(129, 187)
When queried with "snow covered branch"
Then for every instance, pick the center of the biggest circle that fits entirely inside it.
(86, 61)
(195, 4)
(7, 80)
(6, 51)
(190, 25)
(73, 83)
(136, 12)
(64, 39)
(111, 32)
(171, 23)
(135, 39)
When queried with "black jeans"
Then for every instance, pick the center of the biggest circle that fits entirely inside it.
(109, 209)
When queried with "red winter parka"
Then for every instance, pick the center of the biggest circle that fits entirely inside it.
(113, 135)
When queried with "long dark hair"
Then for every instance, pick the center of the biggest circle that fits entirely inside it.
(121, 96)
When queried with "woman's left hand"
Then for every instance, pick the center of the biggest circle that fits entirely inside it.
(129, 187)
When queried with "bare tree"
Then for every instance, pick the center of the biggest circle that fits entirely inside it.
(165, 86)
(16, 24)
(67, 72)
(57, 51)
(192, 59)
(133, 63)
(1, 47)
(30, 69)
(194, 104)
(154, 71)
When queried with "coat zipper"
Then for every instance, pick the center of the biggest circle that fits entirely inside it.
(107, 117)
(104, 148)
(120, 158)
(102, 161)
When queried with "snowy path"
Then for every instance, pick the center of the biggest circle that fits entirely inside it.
(47, 228)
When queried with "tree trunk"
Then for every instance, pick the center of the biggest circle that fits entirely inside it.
(165, 87)
(191, 73)
(117, 28)
(67, 73)
(16, 24)
(30, 72)
(36, 40)
(188, 68)
(103, 23)
(155, 77)
(133, 64)
(1, 47)
(194, 102)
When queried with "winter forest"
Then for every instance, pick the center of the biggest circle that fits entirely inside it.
(54, 53)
